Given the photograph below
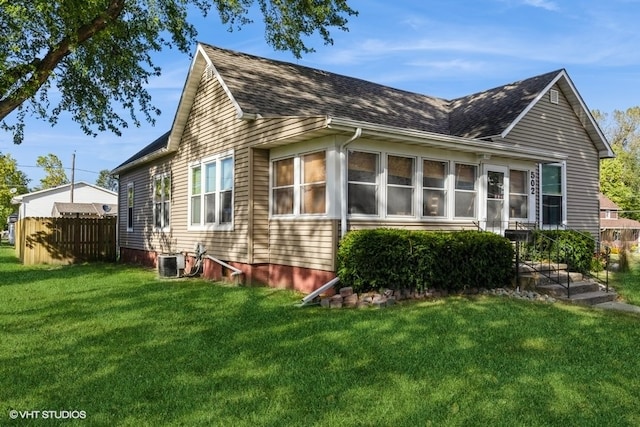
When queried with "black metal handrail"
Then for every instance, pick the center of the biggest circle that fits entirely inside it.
(602, 253)
(545, 255)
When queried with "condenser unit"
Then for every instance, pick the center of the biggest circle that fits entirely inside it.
(171, 265)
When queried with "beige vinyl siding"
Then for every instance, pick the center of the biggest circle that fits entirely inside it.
(143, 236)
(214, 128)
(555, 127)
(309, 243)
(259, 196)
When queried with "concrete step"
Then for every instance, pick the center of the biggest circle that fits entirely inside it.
(591, 298)
(576, 288)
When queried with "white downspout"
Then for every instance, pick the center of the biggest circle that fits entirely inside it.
(344, 187)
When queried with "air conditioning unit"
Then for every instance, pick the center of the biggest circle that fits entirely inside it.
(171, 265)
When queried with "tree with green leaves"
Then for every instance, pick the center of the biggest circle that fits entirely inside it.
(97, 53)
(106, 180)
(620, 176)
(55, 174)
(13, 182)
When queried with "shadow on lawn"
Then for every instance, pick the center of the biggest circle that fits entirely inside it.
(189, 353)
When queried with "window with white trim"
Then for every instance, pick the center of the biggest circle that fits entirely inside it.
(465, 190)
(434, 192)
(400, 185)
(299, 185)
(130, 200)
(161, 201)
(211, 192)
(552, 193)
(313, 185)
(283, 186)
(362, 176)
(518, 194)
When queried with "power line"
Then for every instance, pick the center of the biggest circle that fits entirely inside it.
(81, 170)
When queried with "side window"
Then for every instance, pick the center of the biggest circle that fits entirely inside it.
(313, 186)
(434, 198)
(161, 201)
(362, 175)
(465, 190)
(130, 199)
(282, 187)
(211, 192)
(400, 185)
(518, 194)
(552, 194)
(299, 184)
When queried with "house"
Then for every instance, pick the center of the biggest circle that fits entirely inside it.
(616, 231)
(42, 203)
(269, 163)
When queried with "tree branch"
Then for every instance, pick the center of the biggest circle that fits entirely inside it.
(44, 67)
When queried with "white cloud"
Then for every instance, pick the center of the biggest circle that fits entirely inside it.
(544, 4)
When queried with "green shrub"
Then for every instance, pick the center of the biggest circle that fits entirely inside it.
(397, 259)
(571, 247)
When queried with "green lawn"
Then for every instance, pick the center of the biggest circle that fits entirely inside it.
(627, 284)
(131, 350)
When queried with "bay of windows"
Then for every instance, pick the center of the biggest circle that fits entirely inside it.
(402, 190)
(211, 192)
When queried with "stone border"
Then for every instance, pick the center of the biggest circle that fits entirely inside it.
(346, 298)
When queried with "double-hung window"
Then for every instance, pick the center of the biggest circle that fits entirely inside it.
(465, 190)
(161, 201)
(283, 186)
(552, 193)
(211, 192)
(518, 194)
(434, 197)
(362, 175)
(313, 185)
(299, 185)
(130, 198)
(400, 185)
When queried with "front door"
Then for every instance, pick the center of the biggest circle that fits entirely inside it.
(496, 219)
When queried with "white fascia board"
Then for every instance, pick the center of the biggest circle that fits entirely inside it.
(453, 143)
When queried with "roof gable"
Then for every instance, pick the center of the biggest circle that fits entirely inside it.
(492, 112)
(265, 88)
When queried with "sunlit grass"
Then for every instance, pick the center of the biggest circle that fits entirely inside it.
(133, 350)
(627, 284)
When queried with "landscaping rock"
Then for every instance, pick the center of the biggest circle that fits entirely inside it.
(345, 292)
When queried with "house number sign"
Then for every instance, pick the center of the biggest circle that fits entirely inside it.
(533, 182)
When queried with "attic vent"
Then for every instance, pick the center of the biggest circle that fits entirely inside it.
(208, 72)
(553, 96)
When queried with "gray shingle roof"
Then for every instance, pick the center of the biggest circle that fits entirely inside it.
(274, 88)
(156, 145)
(490, 112)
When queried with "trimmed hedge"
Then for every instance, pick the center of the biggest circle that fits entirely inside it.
(570, 247)
(400, 259)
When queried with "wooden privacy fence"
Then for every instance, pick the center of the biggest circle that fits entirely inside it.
(66, 240)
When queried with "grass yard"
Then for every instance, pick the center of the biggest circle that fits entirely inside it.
(628, 284)
(131, 350)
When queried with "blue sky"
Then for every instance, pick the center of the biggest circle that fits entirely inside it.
(443, 48)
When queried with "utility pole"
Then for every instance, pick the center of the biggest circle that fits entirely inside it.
(73, 172)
